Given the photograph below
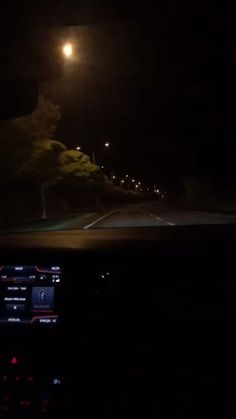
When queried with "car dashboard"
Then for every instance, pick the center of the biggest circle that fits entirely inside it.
(126, 323)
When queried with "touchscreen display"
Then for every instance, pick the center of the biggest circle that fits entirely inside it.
(29, 294)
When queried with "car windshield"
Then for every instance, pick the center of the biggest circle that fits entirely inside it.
(137, 130)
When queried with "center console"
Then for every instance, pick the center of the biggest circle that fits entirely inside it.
(31, 375)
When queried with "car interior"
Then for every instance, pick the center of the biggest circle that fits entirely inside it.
(112, 323)
(131, 323)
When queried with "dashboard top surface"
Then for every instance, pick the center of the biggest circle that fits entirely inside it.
(112, 239)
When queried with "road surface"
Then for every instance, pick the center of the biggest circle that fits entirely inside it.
(147, 215)
(138, 215)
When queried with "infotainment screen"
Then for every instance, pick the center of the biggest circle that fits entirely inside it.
(29, 294)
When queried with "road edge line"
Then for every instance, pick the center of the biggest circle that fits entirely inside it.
(64, 226)
(100, 219)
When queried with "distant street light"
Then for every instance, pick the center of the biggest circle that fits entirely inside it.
(126, 175)
(136, 186)
(139, 183)
(68, 50)
(121, 183)
(133, 180)
(78, 148)
(107, 145)
(113, 177)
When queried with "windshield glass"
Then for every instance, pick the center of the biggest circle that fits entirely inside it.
(137, 130)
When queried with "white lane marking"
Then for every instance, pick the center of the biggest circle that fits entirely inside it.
(100, 219)
(67, 223)
(158, 218)
(220, 215)
(214, 214)
(169, 223)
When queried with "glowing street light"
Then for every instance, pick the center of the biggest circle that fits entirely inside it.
(122, 183)
(139, 183)
(133, 180)
(68, 50)
(113, 177)
(126, 175)
(78, 148)
(136, 186)
(107, 145)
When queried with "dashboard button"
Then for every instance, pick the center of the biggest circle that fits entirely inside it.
(13, 361)
(16, 308)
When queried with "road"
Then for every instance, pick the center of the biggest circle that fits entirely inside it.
(138, 215)
(151, 214)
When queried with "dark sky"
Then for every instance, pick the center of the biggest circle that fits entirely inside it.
(159, 84)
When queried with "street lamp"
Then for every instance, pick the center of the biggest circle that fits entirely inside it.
(68, 50)
(122, 182)
(107, 145)
(126, 175)
(133, 180)
(78, 148)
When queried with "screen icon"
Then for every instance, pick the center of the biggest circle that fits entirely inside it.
(42, 298)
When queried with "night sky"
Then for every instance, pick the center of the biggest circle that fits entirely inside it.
(158, 83)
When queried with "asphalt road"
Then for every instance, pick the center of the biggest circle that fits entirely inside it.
(138, 215)
(152, 214)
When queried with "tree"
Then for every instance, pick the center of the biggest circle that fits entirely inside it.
(78, 165)
(42, 123)
(28, 150)
(44, 167)
(19, 137)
